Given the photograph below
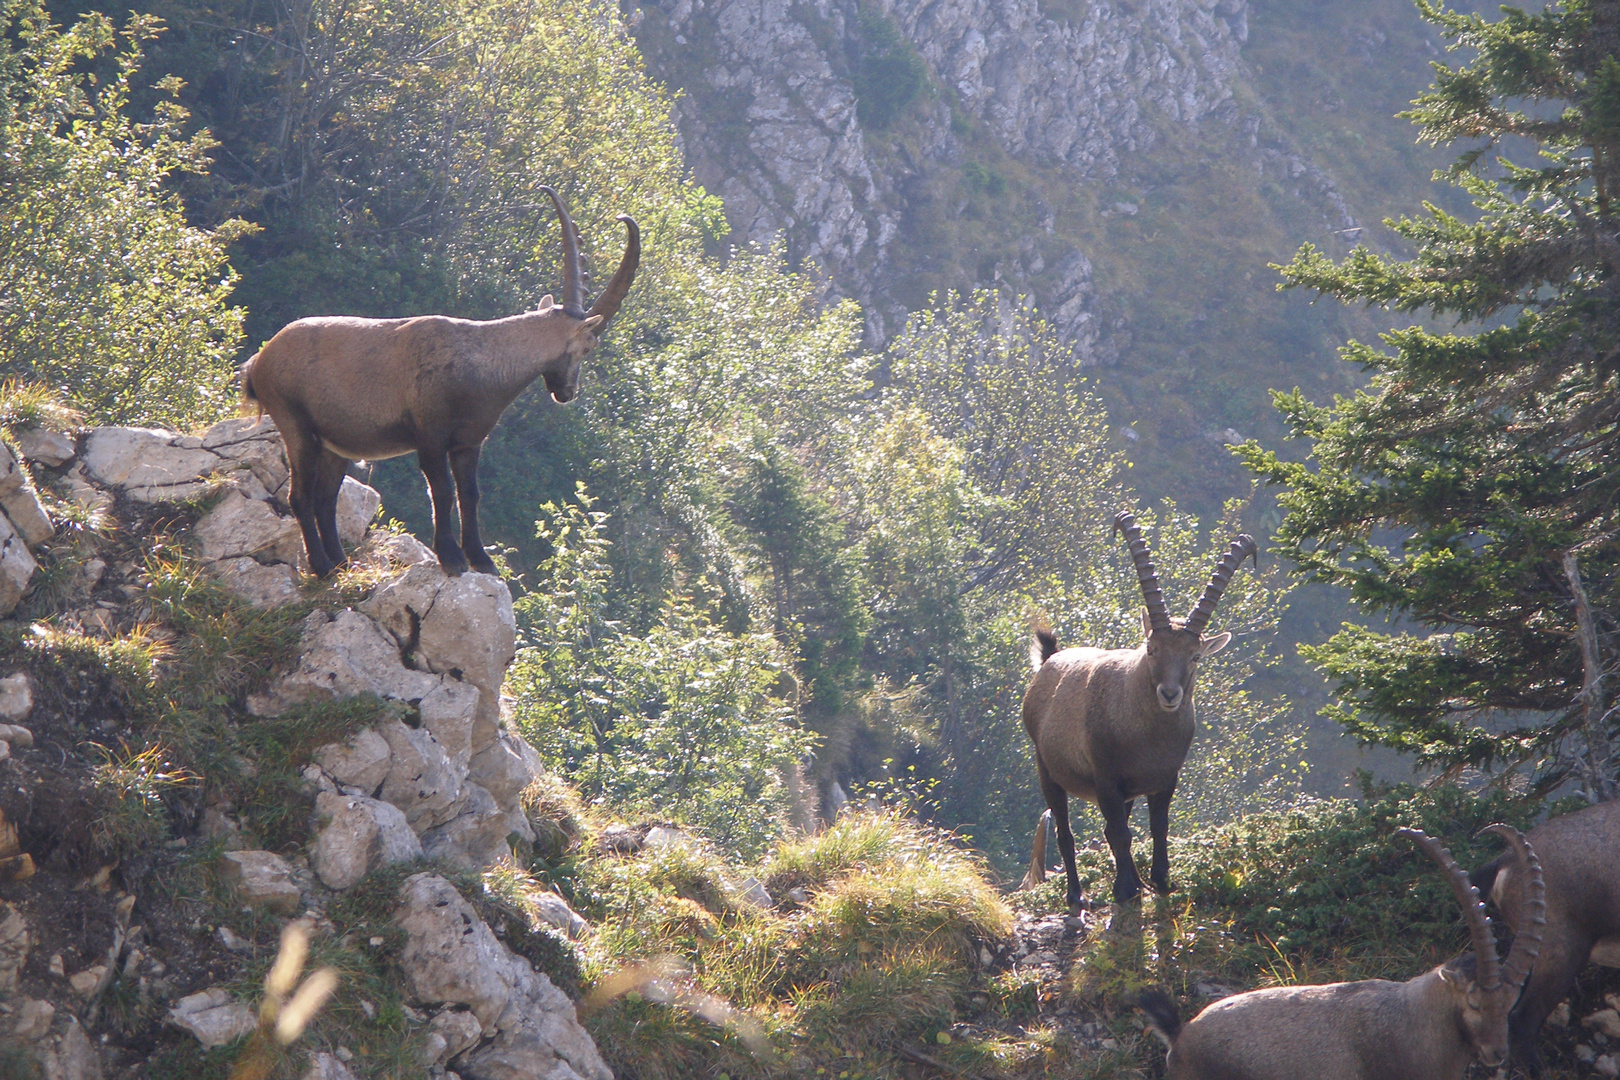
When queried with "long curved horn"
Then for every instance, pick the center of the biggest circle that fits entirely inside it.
(1146, 576)
(1243, 547)
(1486, 964)
(1527, 942)
(607, 304)
(573, 280)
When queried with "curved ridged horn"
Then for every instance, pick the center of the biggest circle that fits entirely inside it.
(1243, 547)
(573, 280)
(1152, 595)
(607, 305)
(1486, 964)
(1527, 942)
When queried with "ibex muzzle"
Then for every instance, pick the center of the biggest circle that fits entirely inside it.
(1113, 725)
(344, 389)
(1428, 1028)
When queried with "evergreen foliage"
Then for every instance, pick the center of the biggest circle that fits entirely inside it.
(1450, 492)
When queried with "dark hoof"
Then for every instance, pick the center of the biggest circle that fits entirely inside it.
(1078, 904)
(1124, 894)
(483, 566)
(1161, 887)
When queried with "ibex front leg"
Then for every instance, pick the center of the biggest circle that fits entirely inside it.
(1159, 825)
(464, 464)
(436, 467)
(1116, 812)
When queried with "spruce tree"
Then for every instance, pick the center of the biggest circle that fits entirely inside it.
(1472, 491)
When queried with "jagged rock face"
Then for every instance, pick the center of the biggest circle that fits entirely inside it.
(771, 118)
(452, 957)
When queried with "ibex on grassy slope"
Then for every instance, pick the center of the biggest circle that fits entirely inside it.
(346, 389)
(1113, 725)
(1427, 1028)
(1580, 856)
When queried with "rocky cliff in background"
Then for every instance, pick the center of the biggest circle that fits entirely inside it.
(801, 116)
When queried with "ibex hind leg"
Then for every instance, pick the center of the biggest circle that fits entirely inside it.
(328, 482)
(304, 465)
(1057, 800)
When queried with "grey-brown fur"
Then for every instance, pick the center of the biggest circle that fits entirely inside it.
(347, 389)
(1427, 1028)
(1113, 725)
(1580, 857)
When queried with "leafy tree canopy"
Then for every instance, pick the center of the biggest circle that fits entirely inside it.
(1450, 492)
(106, 293)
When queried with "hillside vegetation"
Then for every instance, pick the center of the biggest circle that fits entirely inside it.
(772, 579)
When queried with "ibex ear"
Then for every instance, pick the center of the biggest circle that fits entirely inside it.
(1147, 623)
(594, 323)
(1215, 644)
(547, 302)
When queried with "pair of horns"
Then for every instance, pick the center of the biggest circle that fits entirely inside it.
(1501, 978)
(607, 305)
(1153, 597)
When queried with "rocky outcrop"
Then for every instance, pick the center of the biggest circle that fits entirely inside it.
(439, 776)
(772, 121)
(526, 1027)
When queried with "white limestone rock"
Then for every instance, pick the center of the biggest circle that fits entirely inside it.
(555, 911)
(15, 943)
(460, 626)
(326, 1067)
(47, 447)
(449, 1033)
(71, 1056)
(421, 780)
(16, 699)
(505, 767)
(357, 506)
(261, 879)
(238, 527)
(451, 957)
(214, 1017)
(20, 503)
(149, 464)
(475, 837)
(362, 762)
(359, 836)
(17, 567)
(262, 586)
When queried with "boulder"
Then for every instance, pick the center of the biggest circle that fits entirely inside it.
(16, 699)
(17, 567)
(214, 1017)
(32, 1020)
(460, 626)
(357, 506)
(340, 658)
(449, 1033)
(261, 879)
(360, 835)
(451, 957)
(556, 912)
(260, 585)
(47, 447)
(505, 767)
(149, 464)
(239, 526)
(360, 763)
(71, 1055)
(15, 943)
(251, 453)
(421, 780)
(475, 837)
(326, 1067)
(19, 502)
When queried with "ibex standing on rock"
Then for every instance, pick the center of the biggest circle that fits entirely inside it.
(1580, 855)
(344, 389)
(1112, 725)
(1428, 1028)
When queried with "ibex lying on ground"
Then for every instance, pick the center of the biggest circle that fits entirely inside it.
(1112, 725)
(1427, 1028)
(1580, 856)
(345, 389)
